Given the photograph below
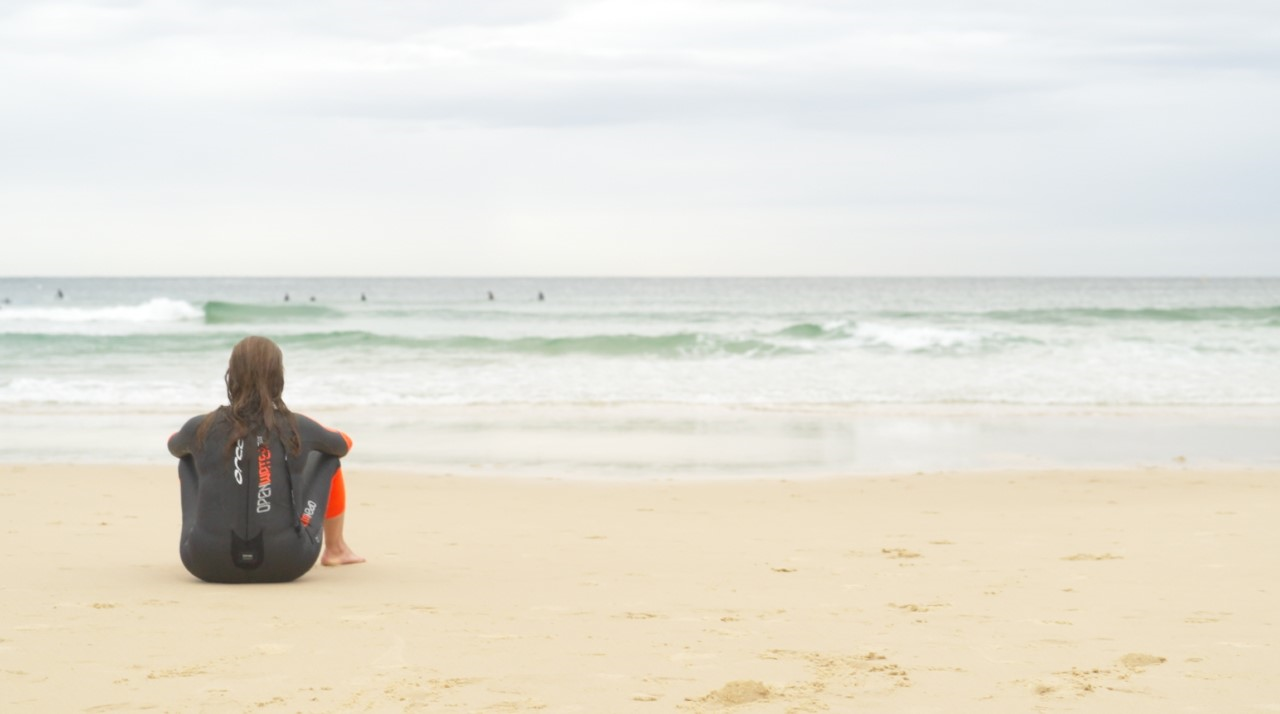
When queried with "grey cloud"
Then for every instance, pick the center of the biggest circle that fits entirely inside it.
(809, 71)
(1076, 122)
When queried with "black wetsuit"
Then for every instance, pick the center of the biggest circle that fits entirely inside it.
(253, 514)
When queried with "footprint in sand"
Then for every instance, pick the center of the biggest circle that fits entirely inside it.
(192, 671)
(1084, 681)
(837, 675)
(1138, 662)
(912, 607)
(271, 648)
(899, 553)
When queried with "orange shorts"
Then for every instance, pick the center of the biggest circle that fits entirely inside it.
(337, 496)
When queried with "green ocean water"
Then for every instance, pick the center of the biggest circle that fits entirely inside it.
(647, 375)
(700, 341)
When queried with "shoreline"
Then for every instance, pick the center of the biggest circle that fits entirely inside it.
(645, 441)
(1100, 591)
(681, 479)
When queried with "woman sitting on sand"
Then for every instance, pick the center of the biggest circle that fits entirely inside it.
(262, 487)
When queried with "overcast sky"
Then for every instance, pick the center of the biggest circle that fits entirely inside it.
(646, 137)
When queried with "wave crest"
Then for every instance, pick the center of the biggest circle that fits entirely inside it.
(154, 310)
(222, 313)
(1146, 314)
(676, 345)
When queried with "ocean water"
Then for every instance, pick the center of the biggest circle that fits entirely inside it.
(706, 369)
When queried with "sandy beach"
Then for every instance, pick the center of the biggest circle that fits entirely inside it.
(1139, 590)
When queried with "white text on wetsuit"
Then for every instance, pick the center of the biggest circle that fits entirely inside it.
(239, 455)
(308, 512)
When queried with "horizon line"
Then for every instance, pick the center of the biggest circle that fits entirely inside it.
(903, 276)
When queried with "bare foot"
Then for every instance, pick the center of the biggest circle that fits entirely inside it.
(336, 550)
(340, 556)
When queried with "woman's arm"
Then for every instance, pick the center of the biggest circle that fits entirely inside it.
(321, 438)
(182, 442)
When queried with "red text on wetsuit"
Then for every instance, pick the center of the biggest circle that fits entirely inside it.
(264, 478)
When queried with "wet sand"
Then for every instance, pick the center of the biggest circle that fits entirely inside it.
(1092, 591)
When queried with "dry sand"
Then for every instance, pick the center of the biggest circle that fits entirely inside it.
(1134, 591)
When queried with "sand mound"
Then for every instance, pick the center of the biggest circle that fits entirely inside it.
(741, 691)
(1135, 660)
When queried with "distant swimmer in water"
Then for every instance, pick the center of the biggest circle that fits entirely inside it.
(286, 297)
(541, 296)
(490, 295)
(59, 293)
(262, 489)
(313, 298)
(362, 297)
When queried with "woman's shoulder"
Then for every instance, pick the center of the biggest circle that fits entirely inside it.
(199, 419)
(309, 428)
(192, 433)
(307, 425)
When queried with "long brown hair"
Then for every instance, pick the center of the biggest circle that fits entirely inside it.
(255, 383)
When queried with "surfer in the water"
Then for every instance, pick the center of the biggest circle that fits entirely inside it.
(260, 484)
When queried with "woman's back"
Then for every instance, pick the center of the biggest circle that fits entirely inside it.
(251, 512)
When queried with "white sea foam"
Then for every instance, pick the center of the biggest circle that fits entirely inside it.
(156, 310)
(596, 357)
(103, 392)
(679, 342)
(915, 339)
